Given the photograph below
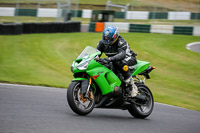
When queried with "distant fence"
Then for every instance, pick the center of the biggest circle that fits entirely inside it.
(14, 29)
(85, 13)
(144, 28)
(26, 28)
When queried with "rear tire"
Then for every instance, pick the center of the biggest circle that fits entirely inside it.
(144, 110)
(74, 101)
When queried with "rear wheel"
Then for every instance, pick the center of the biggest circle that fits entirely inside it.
(142, 109)
(79, 104)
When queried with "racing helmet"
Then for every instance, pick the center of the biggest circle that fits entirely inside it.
(110, 35)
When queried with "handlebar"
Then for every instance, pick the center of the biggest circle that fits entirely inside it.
(107, 64)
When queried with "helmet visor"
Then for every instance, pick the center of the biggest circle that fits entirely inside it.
(108, 39)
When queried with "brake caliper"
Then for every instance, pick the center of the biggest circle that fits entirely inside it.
(82, 98)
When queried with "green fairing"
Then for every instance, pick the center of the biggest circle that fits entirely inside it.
(140, 67)
(106, 79)
(79, 79)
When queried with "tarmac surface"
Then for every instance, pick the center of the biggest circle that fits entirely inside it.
(195, 46)
(35, 109)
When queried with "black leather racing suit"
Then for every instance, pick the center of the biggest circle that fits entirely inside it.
(121, 55)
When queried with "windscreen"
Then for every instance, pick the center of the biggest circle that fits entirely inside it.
(88, 50)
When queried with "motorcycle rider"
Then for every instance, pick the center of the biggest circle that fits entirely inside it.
(118, 52)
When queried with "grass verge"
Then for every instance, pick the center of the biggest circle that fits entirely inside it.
(26, 19)
(45, 59)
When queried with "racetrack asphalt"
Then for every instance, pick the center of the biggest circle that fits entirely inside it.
(35, 109)
(195, 46)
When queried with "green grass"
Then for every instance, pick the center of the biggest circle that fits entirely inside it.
(100, 2)
(45, 59)
(140, 5)
(25, 19)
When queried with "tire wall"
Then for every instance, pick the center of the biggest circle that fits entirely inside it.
(59, 27)
(11, 29)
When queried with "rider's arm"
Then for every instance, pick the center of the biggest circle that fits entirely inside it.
(100, 47)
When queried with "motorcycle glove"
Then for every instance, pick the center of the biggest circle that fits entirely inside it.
(109, 59)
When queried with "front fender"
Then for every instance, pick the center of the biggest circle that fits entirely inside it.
(79, 79)
(84, 84)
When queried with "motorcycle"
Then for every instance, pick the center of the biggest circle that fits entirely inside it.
(98, 84)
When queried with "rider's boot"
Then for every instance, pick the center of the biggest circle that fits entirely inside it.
(134, 91)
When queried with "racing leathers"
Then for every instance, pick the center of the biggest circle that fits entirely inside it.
(123, 59)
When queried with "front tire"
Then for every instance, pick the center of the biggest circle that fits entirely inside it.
(75, 101)
(140, 109)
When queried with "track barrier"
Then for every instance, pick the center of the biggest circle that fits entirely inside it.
(99, 27)
(146, 28)
(87, 13)
(11, 29)
(26, 28)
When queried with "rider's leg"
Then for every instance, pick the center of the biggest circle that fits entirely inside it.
(134, 90)
(127, 74)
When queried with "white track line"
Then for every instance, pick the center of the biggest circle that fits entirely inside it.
(190, 44)
(58, 89)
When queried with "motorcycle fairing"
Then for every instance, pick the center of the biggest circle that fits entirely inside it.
(140, 67)
(106, 80)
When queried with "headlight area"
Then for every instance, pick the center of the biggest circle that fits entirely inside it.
(72, 66)
(83, 65)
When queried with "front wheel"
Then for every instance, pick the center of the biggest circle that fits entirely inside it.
(77, 102)
(142, 109)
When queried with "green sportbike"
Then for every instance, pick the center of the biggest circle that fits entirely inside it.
(97, 84)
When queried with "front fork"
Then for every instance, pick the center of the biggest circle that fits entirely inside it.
(85, 86)
(85, 93)
(90, 82)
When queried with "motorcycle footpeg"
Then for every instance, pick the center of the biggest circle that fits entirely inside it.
(117, 90)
